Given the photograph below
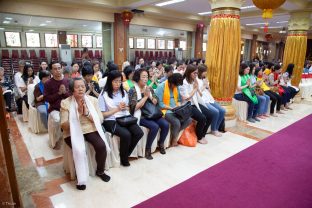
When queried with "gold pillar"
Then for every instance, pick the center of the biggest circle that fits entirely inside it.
(296, 44)
(223, 52)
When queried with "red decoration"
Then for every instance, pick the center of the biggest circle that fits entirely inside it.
(266, 28)
(268, 37)
(126, 16)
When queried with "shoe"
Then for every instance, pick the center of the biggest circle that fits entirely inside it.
(202, 141)
(81, 187)
(162, 149)
(256, 119)
(148, 154)
(125, 163)
(251, 120)
(103, 176)
(216, 133)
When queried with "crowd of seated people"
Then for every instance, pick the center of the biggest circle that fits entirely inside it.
(77, 104)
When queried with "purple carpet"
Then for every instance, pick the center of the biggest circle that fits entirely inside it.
(274, 173)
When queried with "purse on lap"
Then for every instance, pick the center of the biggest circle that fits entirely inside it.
(126, 121)
(183, 112)
(151, 111)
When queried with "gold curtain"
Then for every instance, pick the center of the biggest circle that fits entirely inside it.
(295, 52)
(223, 54)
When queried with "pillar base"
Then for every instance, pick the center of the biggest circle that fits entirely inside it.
(298, 97)
(230, 117)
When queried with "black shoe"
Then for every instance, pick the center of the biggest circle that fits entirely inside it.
(81, 187)
(162, 149)
(103, 176)
(125, 163)
(148, 154)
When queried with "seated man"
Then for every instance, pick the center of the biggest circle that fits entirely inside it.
(40, 104)
(55, 90)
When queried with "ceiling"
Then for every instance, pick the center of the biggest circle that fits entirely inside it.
(186, 11)
(137, 30)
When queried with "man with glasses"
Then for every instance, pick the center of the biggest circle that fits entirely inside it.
(55, 90)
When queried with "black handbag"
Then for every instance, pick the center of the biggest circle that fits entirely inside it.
(126, 121)
(183, 112)
(151, 111)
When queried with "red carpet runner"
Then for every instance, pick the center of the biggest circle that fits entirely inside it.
(274, 173)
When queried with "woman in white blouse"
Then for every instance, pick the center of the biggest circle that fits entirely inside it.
(190, 92)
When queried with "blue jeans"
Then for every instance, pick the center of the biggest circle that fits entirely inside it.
(263, 102)
(218, 115)
(42, 109)
(153, 126)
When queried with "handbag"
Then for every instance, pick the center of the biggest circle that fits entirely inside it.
(126, 121)
(151, 111)
(183, 112)
(188, 137)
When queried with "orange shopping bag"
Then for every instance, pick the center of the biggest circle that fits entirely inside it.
(188, 137)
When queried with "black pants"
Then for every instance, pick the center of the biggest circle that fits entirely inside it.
(286, 95)
(276, 100)
(129, 137)
(99, 146)
(19, 103)
(8, 100)
(203, 119)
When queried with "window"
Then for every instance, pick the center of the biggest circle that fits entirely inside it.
(72, 40)
(151, 44)
(13, 39)
(140, 43)
(86, 41)
(204, 46)
(99, 43)
(50, 40)
(170, 44)
(131, 43)
(161, 44)
(183, 45)
(32, 40)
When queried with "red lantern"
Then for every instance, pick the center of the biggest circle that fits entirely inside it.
(126, 16)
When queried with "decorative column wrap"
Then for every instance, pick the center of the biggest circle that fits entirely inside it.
(223, 55)
(199, 40)
(296, 44)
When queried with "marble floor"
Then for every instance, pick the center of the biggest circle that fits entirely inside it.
(144, 178)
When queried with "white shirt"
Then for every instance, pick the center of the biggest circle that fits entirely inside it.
(206, 95)
(19, 82)
(239, 84)
(186, 90)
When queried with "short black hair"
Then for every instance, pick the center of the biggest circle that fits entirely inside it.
(87, 69)
(109, 86)
(242, 68)
(276, 67)
(43, 74)
(137, 73)
(128, 70)
(176, 79)
(74, 63)
(168, 68)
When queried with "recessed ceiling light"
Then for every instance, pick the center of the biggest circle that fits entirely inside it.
(204, 13)
(260, 23)
(248, 7)
(169, 2)
(6, 22)
(43, 24)
(8, 18)
(84, 25)
(31, 30)
(281, 22)
(48, 21)
(274, 27)
(1, 28)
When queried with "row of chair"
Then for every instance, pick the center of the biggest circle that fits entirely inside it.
(153, 56)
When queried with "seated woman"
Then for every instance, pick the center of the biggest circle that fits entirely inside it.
(274, 80)
(169, 97)
(243, 93)
(92, 87)
(263, 99)
(113, 102)
(7, 90)
(29, 78)
(97, 72)
(190, 92)
(40, 104)
(81, 120)
(75, 70)
(128, 84)
(276, 100)
(286, 81)
(217, 111)
(138, 96)
(152, 78)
